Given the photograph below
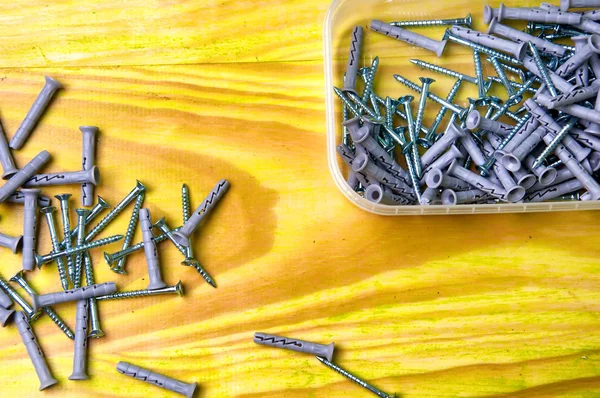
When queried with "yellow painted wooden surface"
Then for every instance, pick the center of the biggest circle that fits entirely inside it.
(197, 91)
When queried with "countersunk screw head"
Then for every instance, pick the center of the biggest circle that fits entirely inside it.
(83, 212)
(426, 80)
(47, 209)
(469, 21)
(19, 275)
(103, 203)
(446, 34)
(407, 99)
(63, 196)
(179, 289)
(108, 258)
(140, 186)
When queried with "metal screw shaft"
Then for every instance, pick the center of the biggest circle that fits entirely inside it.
(139, 188)
(355, 379)
(502, 76)
(347, 103)
(78, 249)
(544, 75)
(555, 142)
(444, 71)
(466, 21)
(411, 133)
(81, 216)
(461, 112)
(429, 137)
(425, 83)
(513, 101)
(514, 84)
(178, 289)
(31, 314)
(119, 268)
(60, 264)
(380, 100)
(362, 106)
(111, 258)
(479, 74)
(414, 179)
(18, 278)
(186, 210)
(369, 81)
(482, 49)
(514, 70)
(66, 221)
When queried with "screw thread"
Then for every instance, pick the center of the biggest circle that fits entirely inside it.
(555, 142)
(442, 112)
(133, 221)
(138, 293)
(443, 71)
(544, 75)
(369, 81)
(194, 263)
(60, 264)
(17, 299)
(59, 322)
(185, 197)
(502, 75)
(353, 378)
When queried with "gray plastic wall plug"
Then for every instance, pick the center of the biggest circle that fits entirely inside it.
(453, 132)
(517, 50)
(23, 175)
(29, 228)
(11, 242)
(88, 154)
(321, 350)
(81, 337)
(353, 60)
(544, 46)
(157, 379)
(409, 37)
(151, 251)
(83, 293)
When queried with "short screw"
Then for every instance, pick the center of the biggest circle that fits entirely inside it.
(544, 75)
(177, 289)
(66, 221)
(60, 264)
(482, 49)
(19, 279)
(31, 314)
(461, 112)
(444, 71)
(77, 249)
(81, 216)
(119, 268)
(466, 21)
(139, 188)
(355, 379)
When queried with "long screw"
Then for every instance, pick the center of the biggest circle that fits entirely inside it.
(81, 216)
(482, 49)
(544, 75)
(60, 264)
(479, 73)
(347, 103)
(425, 83)
(355, 379)
(119, 268)
(19, 279)
(139, 188)
(177, 289)
(66, 221)
(502, 76)
(444, 71)
(77, 249)
(555, 142)
(370, 80)
(466, 21)
(430, 136)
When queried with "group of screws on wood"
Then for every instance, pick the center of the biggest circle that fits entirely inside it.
(538, 141)
(323, 352)
(71, 248)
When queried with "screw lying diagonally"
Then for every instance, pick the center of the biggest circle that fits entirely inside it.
(355, 379)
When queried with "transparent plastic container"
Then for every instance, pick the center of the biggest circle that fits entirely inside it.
(342, 17)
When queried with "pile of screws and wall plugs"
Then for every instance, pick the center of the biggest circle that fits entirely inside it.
(71, 250)
(546, 148)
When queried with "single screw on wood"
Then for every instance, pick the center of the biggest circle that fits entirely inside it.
(322, 350)
(77, 249)
(31, 314)
(41, 102)
(20, 279)
(60, 264)
(119, 267)
(95, 331)
(139, 188)
(466, 21)
(177, 289)
(81, 216)
(355, 379)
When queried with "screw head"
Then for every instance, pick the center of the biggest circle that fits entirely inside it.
(426, 80)
(179, 289)
(47, 209)
(102, 203)
(18, 276)
(63, 197)
(83, 212)
(407, 99)
(469, 21)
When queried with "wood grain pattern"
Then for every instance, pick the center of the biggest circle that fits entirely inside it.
(503, 305)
